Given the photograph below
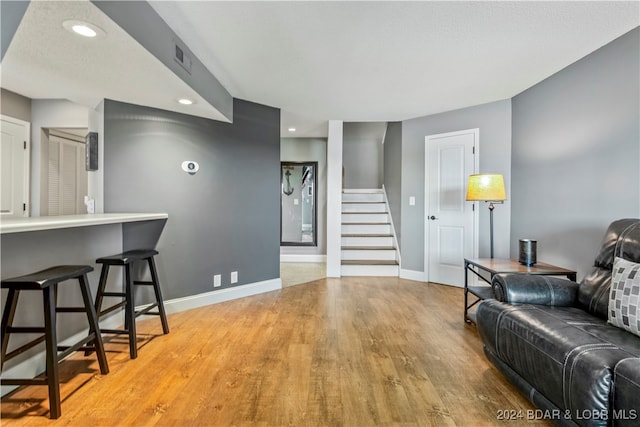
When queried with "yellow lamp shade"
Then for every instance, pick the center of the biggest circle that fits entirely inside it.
(487, 187)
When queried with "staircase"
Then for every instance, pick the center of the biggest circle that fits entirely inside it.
(368, 247)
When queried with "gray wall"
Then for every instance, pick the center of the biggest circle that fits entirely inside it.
(11, 13)
(576, 154)
(224, 218)
(362, 154)
(14, 105)
(494, 122)
(392, 150)
(310, 150)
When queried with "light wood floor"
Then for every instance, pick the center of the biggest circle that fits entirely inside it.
(335, 352)
(297, 273)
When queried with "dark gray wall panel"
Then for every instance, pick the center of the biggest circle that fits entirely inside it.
(224, 218)
(575, 156)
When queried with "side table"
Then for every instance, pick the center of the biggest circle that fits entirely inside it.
(495, 266)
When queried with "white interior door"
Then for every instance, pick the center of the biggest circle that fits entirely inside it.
(67, 176)
(450, 234)
(14, 167)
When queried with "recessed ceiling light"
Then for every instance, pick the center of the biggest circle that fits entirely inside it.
(185, 101)
(291, 129)
(82, 28)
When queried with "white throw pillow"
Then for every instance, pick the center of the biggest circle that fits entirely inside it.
(624, 297)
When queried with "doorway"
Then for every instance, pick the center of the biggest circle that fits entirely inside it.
(450, 221)
(64, 171)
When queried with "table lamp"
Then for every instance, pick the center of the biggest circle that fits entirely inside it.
(488, 187)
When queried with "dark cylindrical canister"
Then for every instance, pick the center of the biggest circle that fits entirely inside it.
(528, 251)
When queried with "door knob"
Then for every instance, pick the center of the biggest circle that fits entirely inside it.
(432, 217)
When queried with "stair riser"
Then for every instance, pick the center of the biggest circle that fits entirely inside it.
(370, 270)
(364, 207)
(367, 241)
(371, 255)
(369, 217)
(366, 229)
(362, 197)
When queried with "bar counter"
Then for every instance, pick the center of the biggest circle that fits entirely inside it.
(17, 225)
(32, 244)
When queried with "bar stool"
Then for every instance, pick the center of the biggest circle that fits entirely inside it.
(126, 260)
(47, 282)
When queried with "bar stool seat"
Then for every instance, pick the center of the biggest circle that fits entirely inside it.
(47, 282)
(126, 260)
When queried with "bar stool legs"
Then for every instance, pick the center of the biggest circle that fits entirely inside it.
(47, 282)
(94, 328)
(158, 292)
(127, 260)
(51, 344)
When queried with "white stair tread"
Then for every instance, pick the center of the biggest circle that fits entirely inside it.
(367, 262)
(367, 235)
(368, 248)
(366, 223)
(361, 202)
(365, 213)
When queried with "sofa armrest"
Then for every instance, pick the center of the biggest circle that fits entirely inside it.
(626, 392)
(530, 289)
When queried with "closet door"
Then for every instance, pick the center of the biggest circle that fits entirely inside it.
(67, 176)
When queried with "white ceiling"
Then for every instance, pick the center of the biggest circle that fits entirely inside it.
(352, 61)
(388, 60)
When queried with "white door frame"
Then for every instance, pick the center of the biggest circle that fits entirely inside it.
(476, 211)
(27, 160)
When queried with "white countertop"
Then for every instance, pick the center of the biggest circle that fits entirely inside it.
(18, 225)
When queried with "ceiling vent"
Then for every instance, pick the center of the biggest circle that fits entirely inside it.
(181, 56)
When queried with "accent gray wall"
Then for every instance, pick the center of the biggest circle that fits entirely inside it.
(362, 154)
(224, 218)
(576, 154)
(494, 122)
(310, 150)
(392, 150)
(11, 13)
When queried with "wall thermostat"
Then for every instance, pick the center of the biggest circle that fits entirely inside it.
(190, 166)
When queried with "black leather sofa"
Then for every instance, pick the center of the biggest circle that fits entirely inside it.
(551, 339)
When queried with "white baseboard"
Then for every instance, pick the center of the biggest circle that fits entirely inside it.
(418, 276)
(35, 365)
(214, 297)
(302, 258)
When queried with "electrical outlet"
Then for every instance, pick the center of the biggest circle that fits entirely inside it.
(234, 277)
(217, 280)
